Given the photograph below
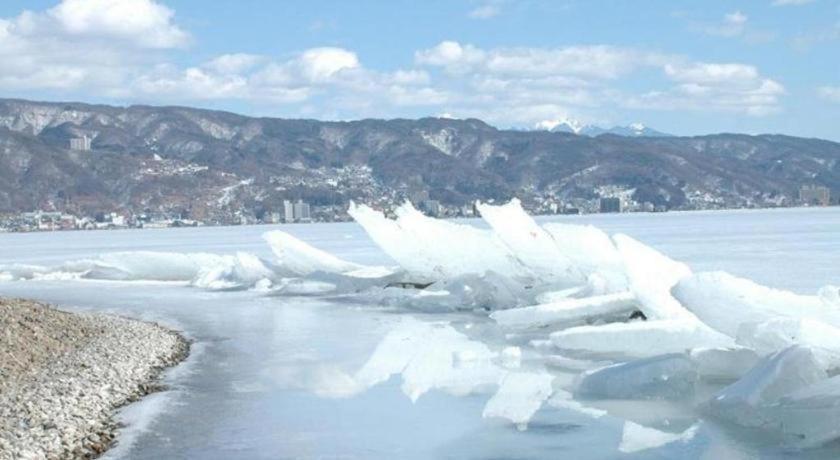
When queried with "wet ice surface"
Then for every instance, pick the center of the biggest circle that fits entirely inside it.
(308, 376)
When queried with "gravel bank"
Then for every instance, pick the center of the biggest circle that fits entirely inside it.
(62, 375)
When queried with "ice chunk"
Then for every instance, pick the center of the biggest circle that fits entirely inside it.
(637, 438)
(725, 302)
(430, 356)
(588, 247)
(239, 272)
(651, 276)
(520, 396)
(778, 333)
(671, 376)
(745, 401)
(153, 266)
(437, 249)
(722, 364)
(530, 243)
(566, 311)
(640, 339)
(388, 235)
(303, 259)
(811, 416)
(205, 270)
(488, 292)
(16, 272)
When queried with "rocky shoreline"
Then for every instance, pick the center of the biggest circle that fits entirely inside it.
(62, 376)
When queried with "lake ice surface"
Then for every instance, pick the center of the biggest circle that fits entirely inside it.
(273, 376)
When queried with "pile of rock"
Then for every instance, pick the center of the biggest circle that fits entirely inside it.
(62, 375)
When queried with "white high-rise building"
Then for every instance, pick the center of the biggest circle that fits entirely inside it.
(288, 212)
(80, 143)
(302, 212)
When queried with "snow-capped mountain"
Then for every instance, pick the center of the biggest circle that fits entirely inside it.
(563, 125)
(568, 125)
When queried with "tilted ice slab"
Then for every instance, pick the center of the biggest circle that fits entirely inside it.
(640, 339)
(303, 259)
(726, 302)
(532, 245)
(488, 291)
(670, 376)
(749, 401)
(722, 364)
(810, 416)
(781, 332)
(592, 251)
(651, 276)
(435, 249)
(570, 310)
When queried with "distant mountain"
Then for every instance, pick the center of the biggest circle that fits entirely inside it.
(631, 130)
(214, 165)
(568, 125)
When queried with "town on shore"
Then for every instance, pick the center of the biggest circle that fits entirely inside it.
(300, 211)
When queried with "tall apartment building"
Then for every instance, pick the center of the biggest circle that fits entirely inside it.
(815, 195)
(301, 212)
(80, 143)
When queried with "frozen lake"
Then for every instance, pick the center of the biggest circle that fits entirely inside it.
(266, 377)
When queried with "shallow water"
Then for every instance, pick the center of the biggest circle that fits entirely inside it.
(262, 378)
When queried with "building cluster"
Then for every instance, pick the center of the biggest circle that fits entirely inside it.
(41, 221)
(607, 200)
(815, 195)
(294, 212)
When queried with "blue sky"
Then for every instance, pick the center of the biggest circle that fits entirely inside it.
(685, 67)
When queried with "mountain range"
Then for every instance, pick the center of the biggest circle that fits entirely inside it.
(213, 165)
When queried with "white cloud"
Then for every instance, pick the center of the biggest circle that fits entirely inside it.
(322, 63)
(453, 56)
(705, 86)
(97, 43)
(705, 73)
(144, 22)
(583, 61)
(334, 74)
(530, 85)
(831, 93)
(485, 12)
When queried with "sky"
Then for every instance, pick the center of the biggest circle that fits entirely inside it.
(683, 67)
